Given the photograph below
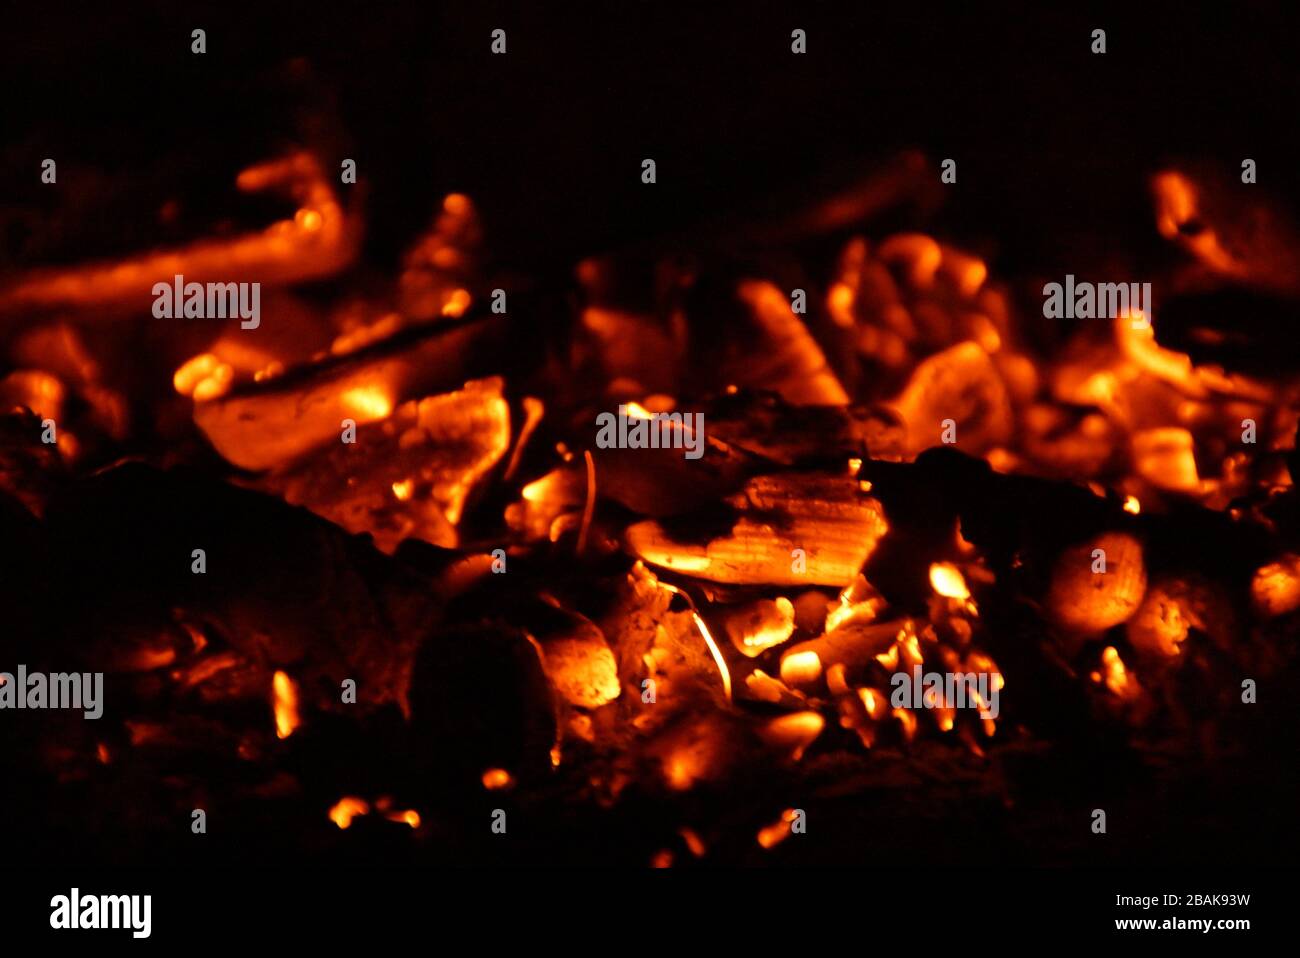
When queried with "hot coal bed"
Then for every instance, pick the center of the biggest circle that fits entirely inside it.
(807, 534)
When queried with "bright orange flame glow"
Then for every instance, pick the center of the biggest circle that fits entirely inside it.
(348, 808)
(309, 220)
(717, 655)
(908, 721)
(947, 580)
(495, 778)
(872, 702)
(1115, 675)
(410, 817)
(795, 731)
(692, 841)
(771, 835)
(800, 668)
(1131, 504)
(456, 304)
(404, 489)
(368, 402)
(203, 377)
(285, 697)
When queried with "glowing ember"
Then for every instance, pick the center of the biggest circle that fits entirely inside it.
(801, 668)
(947, 580)
(1115, 675)
(1132, 505)
(285, 699)
(408, 817)
(761, 626)
(717, 655)
(772, 835)
(348, 808)
(796, 731)
(495, 778)
(368, 403)
(908, 721)
(873, 702)
(692, 841)
(1275, 588)
(203, 377)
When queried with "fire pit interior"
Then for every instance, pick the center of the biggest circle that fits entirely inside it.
(454, 456)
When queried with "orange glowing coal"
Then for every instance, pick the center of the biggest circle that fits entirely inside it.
(1115, 675)
(496, 778)
(407, 817)
(347, 808)
(285, 699)
(947, 580)
(772, 835)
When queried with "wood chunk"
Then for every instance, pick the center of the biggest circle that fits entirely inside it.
(959, 384)
(1083, 599)
(577, 659)
(416, 473)
(825, 516)
(790, 360)
(269, 424)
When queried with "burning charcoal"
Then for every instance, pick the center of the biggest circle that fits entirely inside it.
(414, 471)
(639, 611)
(270, 424)
(793, 733)
(663, 482)
(284, 589)
(1237, 238)
(761, 687)
(545, 504)
(1065, 444)
(1173, 606)
(791, 529)
(38, 391)
(763, 424)
(632, 351)
(1275, 588)
(316, 242)
(438, 270)
(577, 659)
(804, 665)
(1098, 584)
(910, 296)
(480, 699)
(1165, 458)
(701, 748)
(758, 626)
(787, 358)
(959, 385)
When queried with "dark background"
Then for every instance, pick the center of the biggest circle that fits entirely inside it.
(1053, 143)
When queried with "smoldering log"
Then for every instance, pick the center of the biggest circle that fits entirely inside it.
(268, 424)
(782, 529)
(663, 482)
(284, 588)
